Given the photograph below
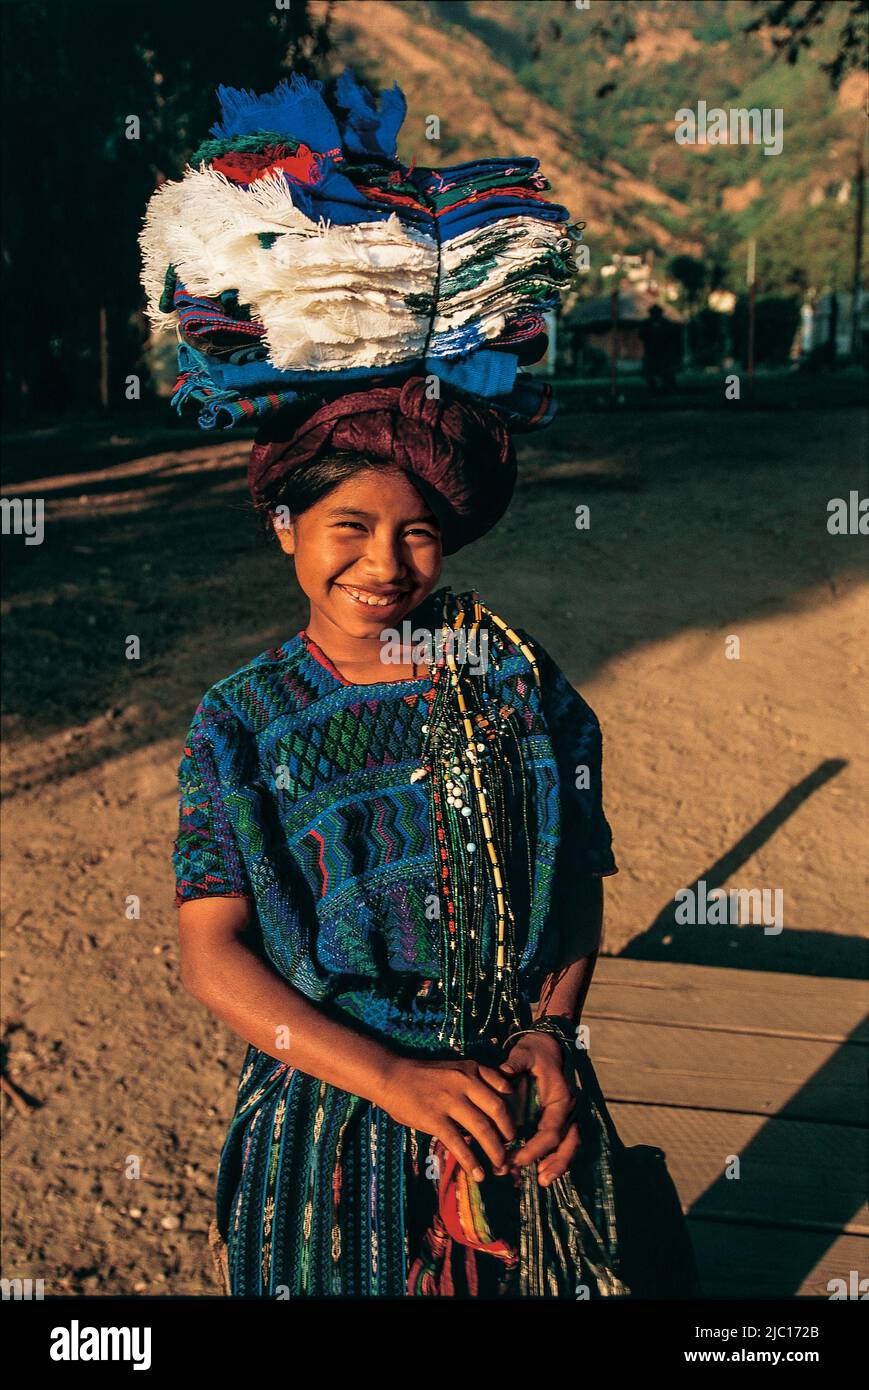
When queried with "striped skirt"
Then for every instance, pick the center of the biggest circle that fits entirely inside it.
(321, 1193)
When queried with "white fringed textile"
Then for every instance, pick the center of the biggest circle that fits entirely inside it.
(325, 294)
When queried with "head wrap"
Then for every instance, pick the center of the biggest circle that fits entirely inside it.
(457, 452)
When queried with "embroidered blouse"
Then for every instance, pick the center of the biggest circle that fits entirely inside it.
(296, 790)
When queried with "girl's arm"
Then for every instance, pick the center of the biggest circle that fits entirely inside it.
(557, 1139)
(221, 967)
(564, 991)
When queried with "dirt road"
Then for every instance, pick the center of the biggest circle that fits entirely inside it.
(748, 772)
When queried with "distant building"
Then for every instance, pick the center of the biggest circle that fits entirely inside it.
(826, 323)
(588, 328)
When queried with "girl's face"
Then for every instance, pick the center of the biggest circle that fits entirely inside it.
(366, 554)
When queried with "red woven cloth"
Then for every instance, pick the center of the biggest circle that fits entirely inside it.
(458, 453)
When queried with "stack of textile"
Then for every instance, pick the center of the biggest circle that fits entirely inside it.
(297, 255)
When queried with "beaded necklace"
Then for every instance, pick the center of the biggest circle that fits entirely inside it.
(470, 774)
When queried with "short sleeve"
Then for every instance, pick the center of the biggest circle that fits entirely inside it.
(206, 857)
(585, 838)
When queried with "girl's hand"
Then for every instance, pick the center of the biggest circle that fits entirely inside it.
(556, 1140)
(453, 1100)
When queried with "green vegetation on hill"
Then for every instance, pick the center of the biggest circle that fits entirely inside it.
(617, 73)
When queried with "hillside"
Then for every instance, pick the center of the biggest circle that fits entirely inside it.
(594, 95)
(447, 70)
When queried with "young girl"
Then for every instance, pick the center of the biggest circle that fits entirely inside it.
(389, 878)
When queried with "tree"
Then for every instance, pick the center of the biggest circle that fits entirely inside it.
(794, 25)
(692, 276)
(76, 184)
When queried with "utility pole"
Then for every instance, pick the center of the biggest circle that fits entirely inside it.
(104, 358)
(752, 299)
(857, 288)
(614, 331)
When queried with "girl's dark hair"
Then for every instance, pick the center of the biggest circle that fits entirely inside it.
(309, 482)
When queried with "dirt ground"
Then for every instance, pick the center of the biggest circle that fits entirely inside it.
(748, 772)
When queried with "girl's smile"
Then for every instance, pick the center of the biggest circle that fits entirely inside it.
(366, 554)
(372, 598)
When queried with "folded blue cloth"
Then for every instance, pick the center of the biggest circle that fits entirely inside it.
(482, 214)
(431, 180)
(484, 372)
(370, 129)
(295, 107)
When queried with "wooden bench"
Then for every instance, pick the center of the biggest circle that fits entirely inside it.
(712, 1063)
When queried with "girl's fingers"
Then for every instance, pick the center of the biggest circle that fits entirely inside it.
(492, 1105)
(555, 1117)
(481, 1129)
(452, 1139)
(519, 1060)
(558, 1162)
(492, 1077)
(545, 1141)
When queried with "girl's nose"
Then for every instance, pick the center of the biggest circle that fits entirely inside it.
(384, 560)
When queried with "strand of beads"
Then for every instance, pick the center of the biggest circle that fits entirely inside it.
(468, 832)
(505, 984)
(532, 661)
(462, 738)
(431, 754)
(523, 647)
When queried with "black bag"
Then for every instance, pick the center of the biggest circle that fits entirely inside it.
(655, 1256)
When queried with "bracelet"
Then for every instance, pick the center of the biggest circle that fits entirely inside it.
(558, 1026)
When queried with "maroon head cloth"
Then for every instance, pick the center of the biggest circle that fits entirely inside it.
(458, 453)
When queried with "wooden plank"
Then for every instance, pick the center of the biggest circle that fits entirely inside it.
(757, 1262)
(792, 1173)
(787, 1077)
(751, 1001)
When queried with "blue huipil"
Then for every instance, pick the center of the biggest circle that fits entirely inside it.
(297, 791)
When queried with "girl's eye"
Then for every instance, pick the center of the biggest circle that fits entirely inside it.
(422, 531)
(356, 524)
